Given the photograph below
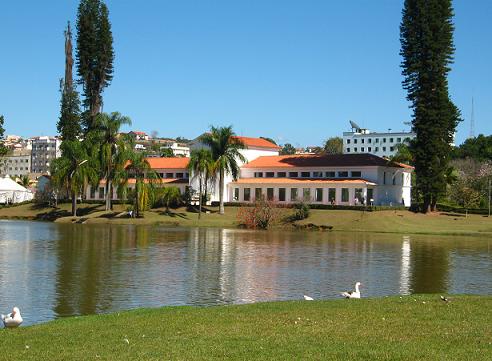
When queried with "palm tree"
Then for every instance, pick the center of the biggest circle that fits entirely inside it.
(112, 156)
(170, 195)
(145, 178)
(225, 154)
(199, 166)
(24, 181)
(73, 170)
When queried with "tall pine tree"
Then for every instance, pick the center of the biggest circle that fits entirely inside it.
(95, 56)
(426, 35)
(68, 125)
(3, 149)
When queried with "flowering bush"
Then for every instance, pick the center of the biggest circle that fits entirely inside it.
(261, 215)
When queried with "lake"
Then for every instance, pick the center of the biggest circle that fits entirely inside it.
(54, 270)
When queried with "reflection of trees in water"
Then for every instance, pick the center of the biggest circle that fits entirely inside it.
(429, 267)
(85, 266)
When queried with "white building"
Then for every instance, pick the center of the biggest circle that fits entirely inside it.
(16, 164)
(44, 150)
(344, 179)
(179, 150)
(362, 141)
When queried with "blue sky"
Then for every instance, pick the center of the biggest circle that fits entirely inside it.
(296, 71)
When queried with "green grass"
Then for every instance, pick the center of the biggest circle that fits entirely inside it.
(405, 222)
(408, 328)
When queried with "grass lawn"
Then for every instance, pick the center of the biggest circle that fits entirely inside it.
(408, 328)
(341, 220)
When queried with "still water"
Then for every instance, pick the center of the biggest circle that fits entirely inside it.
(51, 270)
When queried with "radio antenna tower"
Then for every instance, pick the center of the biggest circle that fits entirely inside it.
(472, 122)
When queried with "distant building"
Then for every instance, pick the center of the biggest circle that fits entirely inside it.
(44, 150)
(382, 144)
(179, 150)
(139, 135)
(16, 164)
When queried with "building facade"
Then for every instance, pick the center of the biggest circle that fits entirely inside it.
(44, 150)
(363, 141)
(17, 164)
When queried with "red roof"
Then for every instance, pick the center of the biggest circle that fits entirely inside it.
(301, 181)
(256, 142)
(169, 163)
(316, 160)
(161, 181)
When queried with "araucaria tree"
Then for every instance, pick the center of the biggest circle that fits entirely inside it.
(68, 125)
(95, 56)
(3, 149)
(426, 35)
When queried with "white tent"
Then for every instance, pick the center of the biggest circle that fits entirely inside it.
(11, 192)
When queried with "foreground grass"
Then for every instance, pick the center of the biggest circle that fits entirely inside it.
(405, 222)
(408, 328)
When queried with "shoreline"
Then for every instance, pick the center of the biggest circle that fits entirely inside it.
(384, 222)
(386, 328)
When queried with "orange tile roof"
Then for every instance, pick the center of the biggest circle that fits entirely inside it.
(161, 181)
(256, 142)
(319, 160)
(301, 181)
(169, 163)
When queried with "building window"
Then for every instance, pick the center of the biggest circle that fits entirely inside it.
(355, 149)
(270, 194)
(332, 195)
(369, 140)
(342, 174)
(305, 174)
(269, 174)
(179, 175)
(391, 140)
(362, 140)
(258, 194)
(258, 174)
(281, 194)
(348, 141)
(355, 174)
(398, 140)
(281, 174)
(319, 194)
(359, 196)
(345, 195)
(355, 141)
(293, 174)
(348, 150)
(369, 149)
(101, 192)
(169, 175)
(384, 177)
(306, 194)
(376, 149)
(317, 174)
(93, 193)
(330, 174)
(384, 140)
(247, 194)
(377, 140)
(384, 149)
(392, 149)
(187, 175)
(361, 149)
(293, 194)
(236, 194)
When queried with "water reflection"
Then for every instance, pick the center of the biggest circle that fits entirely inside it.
(60, 270)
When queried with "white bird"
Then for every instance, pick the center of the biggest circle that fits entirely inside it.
(353, 294)
(307, 298)
(13, 319)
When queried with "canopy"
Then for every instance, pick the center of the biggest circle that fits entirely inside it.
(12, 192)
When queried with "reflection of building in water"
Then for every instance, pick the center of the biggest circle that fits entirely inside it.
(405, 271)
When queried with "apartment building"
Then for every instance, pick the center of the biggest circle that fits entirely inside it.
(17, 164)
(44, 150)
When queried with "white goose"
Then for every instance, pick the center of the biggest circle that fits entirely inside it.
(13, 319)
(307, 298)
(353, 294)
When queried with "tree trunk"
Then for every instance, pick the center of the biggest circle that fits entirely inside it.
(221, 192)
(200, 198)
(137, 201)
(427, 204)
(74, 203)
